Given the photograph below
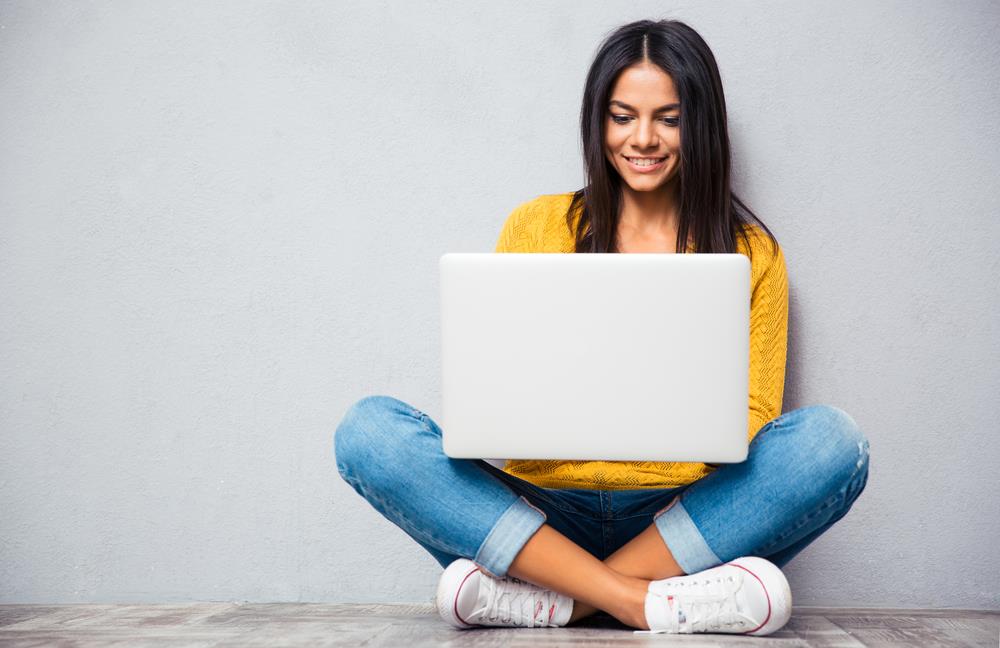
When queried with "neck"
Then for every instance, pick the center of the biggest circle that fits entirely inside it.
(650, 211)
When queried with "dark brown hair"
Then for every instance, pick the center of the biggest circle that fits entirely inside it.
(709, 211)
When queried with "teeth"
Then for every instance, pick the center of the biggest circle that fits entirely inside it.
(645, 161)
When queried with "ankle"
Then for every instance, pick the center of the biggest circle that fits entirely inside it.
(631, 599)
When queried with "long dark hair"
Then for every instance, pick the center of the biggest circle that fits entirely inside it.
(709, 211)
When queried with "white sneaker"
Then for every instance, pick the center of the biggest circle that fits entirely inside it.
(748, 595)
(468, 597)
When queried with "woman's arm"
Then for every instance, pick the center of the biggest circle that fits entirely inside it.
(768, 337)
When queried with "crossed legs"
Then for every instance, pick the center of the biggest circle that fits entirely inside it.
(617, 585)
(389, 453)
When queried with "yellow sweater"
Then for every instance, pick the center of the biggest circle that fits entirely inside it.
(539, 225)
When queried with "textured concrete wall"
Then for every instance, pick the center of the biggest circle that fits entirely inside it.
(220, 226)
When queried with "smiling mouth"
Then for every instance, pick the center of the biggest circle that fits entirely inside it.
(643, 162)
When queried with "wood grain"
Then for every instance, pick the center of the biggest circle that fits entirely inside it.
(414, 626)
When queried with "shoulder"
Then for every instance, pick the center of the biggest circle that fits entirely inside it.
(530, 226)
(767, 258)
(544, 206)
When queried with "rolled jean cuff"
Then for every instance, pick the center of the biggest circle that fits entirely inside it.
(684, 539)
(509, 535)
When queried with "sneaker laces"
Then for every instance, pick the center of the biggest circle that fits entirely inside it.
(513, 601)
(705, 611)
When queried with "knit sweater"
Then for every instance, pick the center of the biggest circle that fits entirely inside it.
(539, 225)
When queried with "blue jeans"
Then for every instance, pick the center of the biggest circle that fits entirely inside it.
(803, 472)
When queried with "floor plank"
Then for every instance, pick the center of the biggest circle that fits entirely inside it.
(231, 625)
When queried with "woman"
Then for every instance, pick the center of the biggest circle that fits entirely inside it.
(662, 547)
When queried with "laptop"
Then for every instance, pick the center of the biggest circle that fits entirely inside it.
(618, 357)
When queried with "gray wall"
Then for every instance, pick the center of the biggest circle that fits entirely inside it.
(221, 225)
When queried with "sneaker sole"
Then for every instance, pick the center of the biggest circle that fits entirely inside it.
(779, 594)
(447, 591)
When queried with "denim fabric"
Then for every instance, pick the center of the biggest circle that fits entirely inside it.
(803, 472)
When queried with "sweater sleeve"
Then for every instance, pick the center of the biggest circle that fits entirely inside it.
(768, 341)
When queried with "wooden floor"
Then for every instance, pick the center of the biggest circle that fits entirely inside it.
(318, 624)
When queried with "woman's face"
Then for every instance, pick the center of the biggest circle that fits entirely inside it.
(642, 136)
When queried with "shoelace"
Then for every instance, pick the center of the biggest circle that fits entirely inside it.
(706, 611)
(511, 600)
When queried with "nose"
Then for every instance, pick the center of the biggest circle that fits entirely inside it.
(645, 134)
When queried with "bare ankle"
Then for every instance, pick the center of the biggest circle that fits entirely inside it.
(632, 602)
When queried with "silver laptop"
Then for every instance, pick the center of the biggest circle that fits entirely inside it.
(619, 357)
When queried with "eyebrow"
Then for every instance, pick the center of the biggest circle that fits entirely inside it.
(624, 105)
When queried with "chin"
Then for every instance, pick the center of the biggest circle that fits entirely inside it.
(645, 186)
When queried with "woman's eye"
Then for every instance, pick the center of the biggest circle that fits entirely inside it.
(623, 119)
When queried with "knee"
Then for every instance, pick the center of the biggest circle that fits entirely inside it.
(833, 442)
(363, 434)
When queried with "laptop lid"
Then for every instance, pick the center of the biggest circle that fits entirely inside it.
(619, 357)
